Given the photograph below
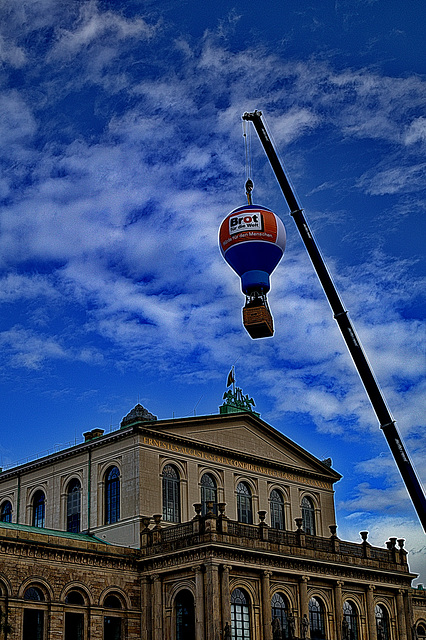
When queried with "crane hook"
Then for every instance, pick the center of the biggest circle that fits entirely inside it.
(249, 189)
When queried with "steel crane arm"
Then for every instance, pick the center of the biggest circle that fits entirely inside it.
(387, 423)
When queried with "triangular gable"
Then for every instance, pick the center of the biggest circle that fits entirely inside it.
(247, 435)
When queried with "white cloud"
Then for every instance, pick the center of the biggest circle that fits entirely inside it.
(395, 179)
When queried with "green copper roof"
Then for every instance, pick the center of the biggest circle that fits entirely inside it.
(83, 537)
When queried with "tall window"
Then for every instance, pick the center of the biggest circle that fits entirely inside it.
(350, 623)
(74, 506)
(112, 496)
(208, 492)
(171, 494)
(308, 516)
(277, 509)
(74, 625)
(279, 611)
(74, 620)
(240, 615)
(382, 623)
(39, 509)
(244, 506)
(185, 616)
(6, 511)
(112, 623)
(33, 623)
(316, 619)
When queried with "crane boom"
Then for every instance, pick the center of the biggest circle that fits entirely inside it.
(387, 423)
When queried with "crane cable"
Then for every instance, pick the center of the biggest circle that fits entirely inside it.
(248, 161)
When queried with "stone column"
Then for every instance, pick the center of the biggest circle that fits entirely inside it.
(371, 614)
(402, 625)
(339, 608)
(304, 603)
(145, 604)
(212, 603)
(226, 595)
(199, 603)
(157, 608)
(266, 605)
(303, 595)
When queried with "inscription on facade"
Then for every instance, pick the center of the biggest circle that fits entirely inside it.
(233, 462)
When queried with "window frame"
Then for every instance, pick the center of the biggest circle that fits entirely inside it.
(240, 613)
(171, 493)
(208, 493)
(277, 510)
(6, 504)
(352, 619)
(308, 516)
(317, 618)
(112, 495)
(244, 503)
(39, 509)
(74, 506)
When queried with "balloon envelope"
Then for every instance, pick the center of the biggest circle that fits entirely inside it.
(252, 241)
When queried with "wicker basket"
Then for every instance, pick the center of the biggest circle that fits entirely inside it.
(258, 322)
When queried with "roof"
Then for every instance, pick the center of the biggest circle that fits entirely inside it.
(82, 537)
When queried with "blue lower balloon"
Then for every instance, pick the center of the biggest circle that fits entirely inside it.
(254, 262)
(252, 281)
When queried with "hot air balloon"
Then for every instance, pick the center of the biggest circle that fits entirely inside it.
(252, 241)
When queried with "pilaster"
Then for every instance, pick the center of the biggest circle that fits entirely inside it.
(338, 608)
(226, 595)
(400, 608)
(371, 615)
(199, 603)
(266, 605)
(157, 608)
(212, 603)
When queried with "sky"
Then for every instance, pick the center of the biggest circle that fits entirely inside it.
(121, 151)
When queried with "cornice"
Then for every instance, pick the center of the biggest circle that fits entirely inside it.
(252, 559)
(81, 555)
(65, 453)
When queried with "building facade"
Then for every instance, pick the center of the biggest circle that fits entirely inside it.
(206, 528)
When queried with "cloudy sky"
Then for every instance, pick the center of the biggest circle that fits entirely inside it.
(122, 151)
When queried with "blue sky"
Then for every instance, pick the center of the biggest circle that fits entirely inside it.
(122, 151)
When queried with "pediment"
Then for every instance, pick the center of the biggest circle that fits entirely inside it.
(247, 435)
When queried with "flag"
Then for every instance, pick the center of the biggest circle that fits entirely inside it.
(231, 378)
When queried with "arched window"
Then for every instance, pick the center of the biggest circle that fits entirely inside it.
(74, 506)
(240, 615)
(6, 511)
(39, 509)
(244, 506)
(33, 623)
(112, 602)
(279, 611)
(208, 492)
(112, 496)
(382, 623)
(74, 597)
(277, 509)
(171, 494)
(350, 622)
(308, 516)
(113, 625)
(35, 594)
(421, 631)
(316, 619)
(185, 615)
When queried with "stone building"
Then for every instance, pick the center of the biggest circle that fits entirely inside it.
(207, 528)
